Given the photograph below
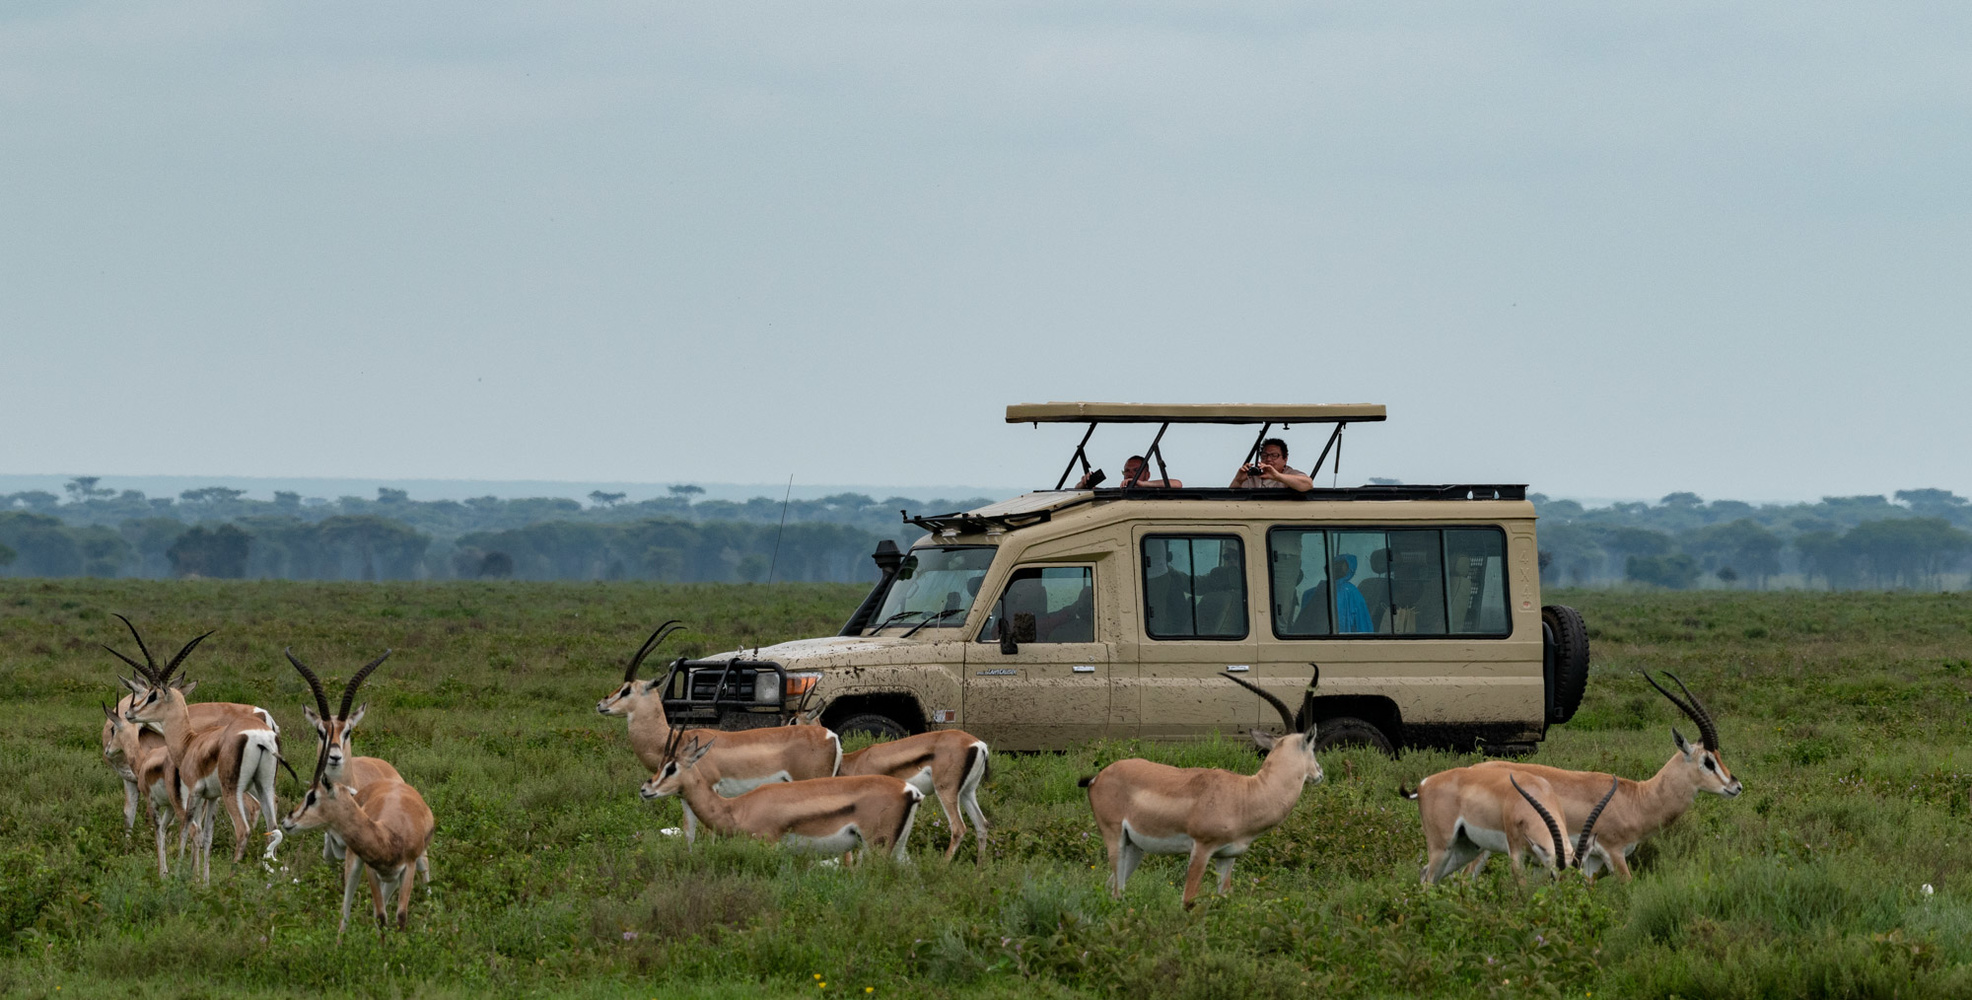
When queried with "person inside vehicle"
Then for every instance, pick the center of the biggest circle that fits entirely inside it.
(1270, 469)
(1135, 468)
(1351, 611)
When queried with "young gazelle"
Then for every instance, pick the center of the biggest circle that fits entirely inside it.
(223, 763)
(1144, 807)
(947, 762)
(387, 828)
(1469, 814)
(339, 762)
(145, 756)
(1639, 808)
(819, 815)
(741, 761)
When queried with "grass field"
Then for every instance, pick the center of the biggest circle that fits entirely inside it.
(1845, 715)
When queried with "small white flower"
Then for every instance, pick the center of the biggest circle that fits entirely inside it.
(671, 831)
(1927, 890)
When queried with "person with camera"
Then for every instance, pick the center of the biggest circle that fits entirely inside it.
(1270, 470)
(1135, 468)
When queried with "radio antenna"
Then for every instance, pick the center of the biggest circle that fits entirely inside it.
(789, 495)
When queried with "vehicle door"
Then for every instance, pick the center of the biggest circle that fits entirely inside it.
(1052, 688)
(1196, 604)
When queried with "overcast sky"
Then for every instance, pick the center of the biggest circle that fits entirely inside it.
(1607, 250)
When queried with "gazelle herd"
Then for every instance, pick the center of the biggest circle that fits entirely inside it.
(793, 785)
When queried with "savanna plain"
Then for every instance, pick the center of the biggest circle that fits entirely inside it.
(1845, 715)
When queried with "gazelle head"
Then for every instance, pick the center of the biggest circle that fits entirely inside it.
(333, 731)
(624, 699)
(115, 731)
(671, 777)
(1706, 767)
(1297, 745)
(153, 689)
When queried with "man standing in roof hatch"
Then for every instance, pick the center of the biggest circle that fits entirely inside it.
(1134, 471)
(1270, 470)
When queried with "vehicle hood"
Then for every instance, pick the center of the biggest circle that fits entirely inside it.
(831, 651)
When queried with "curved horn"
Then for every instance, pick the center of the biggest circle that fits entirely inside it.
(1708, 735)
(1553, 828)
(1286, 717)
(656, 638)
(150, 669)
(349, 693)
(1707, 731)
(1588, 825)
(314, 684)
(1308, 699)
(172, 667)
(142, 671)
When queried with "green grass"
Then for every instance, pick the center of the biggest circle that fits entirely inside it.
(1843, 714)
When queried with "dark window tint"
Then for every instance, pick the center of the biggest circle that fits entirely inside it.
(1298, 562)
(1194, 587)
(1475, 580)
(1060, 599)
(1410, 581)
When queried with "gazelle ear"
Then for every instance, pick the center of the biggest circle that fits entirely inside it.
(1683, 747)
(1264, 740)
(308, 712)
(184, 686)
(131, 683)
(355, 717)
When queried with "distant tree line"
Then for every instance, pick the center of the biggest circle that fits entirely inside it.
(1920, 541)
(217, 532)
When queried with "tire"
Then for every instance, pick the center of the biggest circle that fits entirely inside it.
(1347, 731)
(1568, 648)
(882, 727)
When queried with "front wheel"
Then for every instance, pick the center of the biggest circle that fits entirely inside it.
(1346, 731)
(882, 727)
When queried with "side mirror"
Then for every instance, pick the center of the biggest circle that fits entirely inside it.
(1008, 646)
(1022, 629)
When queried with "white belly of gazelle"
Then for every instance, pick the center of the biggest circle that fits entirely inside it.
(729, 787)
(841, 842)
(1176, 843)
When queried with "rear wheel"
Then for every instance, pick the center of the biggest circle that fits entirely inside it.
(1568, 648)
(1347, 731)
(882, 727)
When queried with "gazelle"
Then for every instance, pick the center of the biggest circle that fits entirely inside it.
(821, 815)
(740, 761)
(947, 762)
(223, 762)
(144, 755)
(1470, 813)
(1639, 808)
(387, 829)
(1143, 807)
(337, 756)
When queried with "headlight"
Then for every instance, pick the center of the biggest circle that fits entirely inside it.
(767, 688)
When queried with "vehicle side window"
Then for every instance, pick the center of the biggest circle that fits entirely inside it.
(1194, 587)
(1476, 582)
(1409, 581)
(1059, 599)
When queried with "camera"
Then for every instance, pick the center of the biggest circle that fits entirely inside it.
(1095, 478)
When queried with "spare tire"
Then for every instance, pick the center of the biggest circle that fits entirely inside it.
(1566, 637)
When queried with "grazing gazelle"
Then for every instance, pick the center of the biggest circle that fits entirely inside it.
(1639, 808)
(387, 828)
(145, 756)
(338, 760)
(1144, 807)
(742, 760)
(1471, 813)
(222, 763)
(820, 815)
(948, 762)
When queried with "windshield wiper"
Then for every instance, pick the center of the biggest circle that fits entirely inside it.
(940, 616)
(887, 622)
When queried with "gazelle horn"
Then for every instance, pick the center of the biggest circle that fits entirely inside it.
(1553, 828)
(314, 683)
(656, 638)
(349, 693)
(1707, 733)
(1588, 825)
(1286, 717)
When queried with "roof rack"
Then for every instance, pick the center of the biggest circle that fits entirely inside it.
(1450, 491)
(1166, 414)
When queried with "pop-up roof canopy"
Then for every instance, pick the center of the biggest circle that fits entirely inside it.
(1194, 413)
(1166, 414)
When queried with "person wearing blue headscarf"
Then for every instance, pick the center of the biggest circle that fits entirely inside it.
(1351, 611)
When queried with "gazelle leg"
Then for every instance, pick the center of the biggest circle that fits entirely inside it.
(163, 819)
(691, 823)
(1224, 867)
(969, 802)
(949, 802)
(424, 871)
(350, 865)
(1195, 871)
(1123, 859)
(129, 806)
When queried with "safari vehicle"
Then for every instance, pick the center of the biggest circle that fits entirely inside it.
(1065, 614)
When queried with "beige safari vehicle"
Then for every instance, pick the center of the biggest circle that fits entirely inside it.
(1065, 615)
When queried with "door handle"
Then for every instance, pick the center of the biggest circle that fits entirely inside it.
(1084, 669)
(1237, 668)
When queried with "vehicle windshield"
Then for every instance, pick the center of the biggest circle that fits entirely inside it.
(934, 588)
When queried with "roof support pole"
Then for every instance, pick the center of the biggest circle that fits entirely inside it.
(1158, 454)
(1079, 456)
(1254, 452)
(1334, 438)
